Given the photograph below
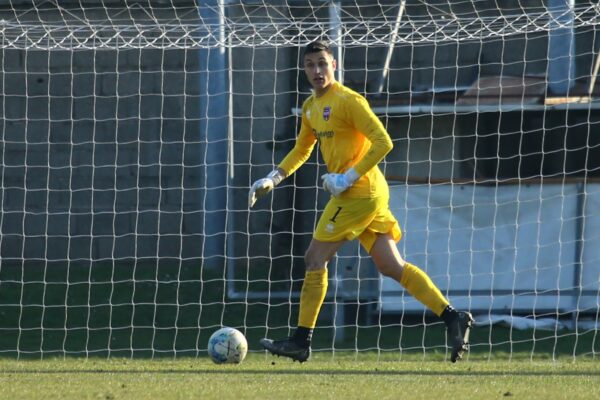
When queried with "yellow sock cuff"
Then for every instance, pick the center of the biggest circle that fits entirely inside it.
(312, 296)
(422, 288)
(317, 276)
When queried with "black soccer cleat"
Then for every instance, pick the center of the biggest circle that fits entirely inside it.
(458, 334)
(286, 347)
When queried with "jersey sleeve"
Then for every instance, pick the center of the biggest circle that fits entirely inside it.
(365, 121)
(305, 142)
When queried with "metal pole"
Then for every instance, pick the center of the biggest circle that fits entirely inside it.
(577, 271)
(388, 57)
(594, 75)
(214, 134)
(335, 28)
(561, 47)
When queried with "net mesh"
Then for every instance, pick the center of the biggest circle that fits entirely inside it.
(132, 131)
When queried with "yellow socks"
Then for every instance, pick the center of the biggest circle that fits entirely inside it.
(420, 286)
(313, 293)
(414, 280)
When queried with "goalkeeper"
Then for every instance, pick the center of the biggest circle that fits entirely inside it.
(352, 142)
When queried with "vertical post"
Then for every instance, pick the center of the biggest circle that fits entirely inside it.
(561, 47)
(577, 271)
(335, 28)
(594, 75)
(214, 133)
(388, 57)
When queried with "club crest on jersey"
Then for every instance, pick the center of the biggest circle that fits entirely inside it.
(326, 113)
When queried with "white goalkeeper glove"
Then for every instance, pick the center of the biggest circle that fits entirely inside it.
(263, 186)
(338, 183)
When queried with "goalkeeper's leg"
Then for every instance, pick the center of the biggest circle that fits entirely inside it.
(314, 288)
(387, 258)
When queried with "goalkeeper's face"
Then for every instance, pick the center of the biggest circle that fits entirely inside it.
(319, 68)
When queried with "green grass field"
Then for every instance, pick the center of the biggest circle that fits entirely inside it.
(131, 322)
(325, 376)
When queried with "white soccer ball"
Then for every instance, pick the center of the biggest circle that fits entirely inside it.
(227, 345)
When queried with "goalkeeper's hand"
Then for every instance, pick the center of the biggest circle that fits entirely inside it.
(338, 183)
(263, 186)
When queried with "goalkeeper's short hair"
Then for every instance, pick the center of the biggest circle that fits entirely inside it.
(317, 46)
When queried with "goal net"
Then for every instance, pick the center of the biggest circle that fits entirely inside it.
(132, 131)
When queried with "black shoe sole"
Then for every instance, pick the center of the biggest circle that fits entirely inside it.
(275, 352)
(458, 353)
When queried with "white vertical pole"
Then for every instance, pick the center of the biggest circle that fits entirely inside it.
(561, 47)
(335, 28)
(388, 56)
(594, 75)
(214, 134)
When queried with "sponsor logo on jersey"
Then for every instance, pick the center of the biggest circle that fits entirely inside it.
(323, 134)
(330, 228)
(326, 113)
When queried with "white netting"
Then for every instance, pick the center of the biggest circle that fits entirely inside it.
(363, 23)
(132, 130)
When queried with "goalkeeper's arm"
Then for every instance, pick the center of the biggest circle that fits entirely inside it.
(263, 186)
(292, 161)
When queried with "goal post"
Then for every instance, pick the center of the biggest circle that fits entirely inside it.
(132, 131)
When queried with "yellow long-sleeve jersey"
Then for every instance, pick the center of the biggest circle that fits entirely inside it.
(349, 135)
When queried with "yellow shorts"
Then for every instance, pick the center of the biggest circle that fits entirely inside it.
(362, 218)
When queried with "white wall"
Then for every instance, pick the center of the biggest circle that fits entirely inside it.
(511, 247)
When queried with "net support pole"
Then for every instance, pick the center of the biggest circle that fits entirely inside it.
(335, 29)
(214, 132)
(561, 47)
(579, 246)
(390, 51)
(594, 75)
